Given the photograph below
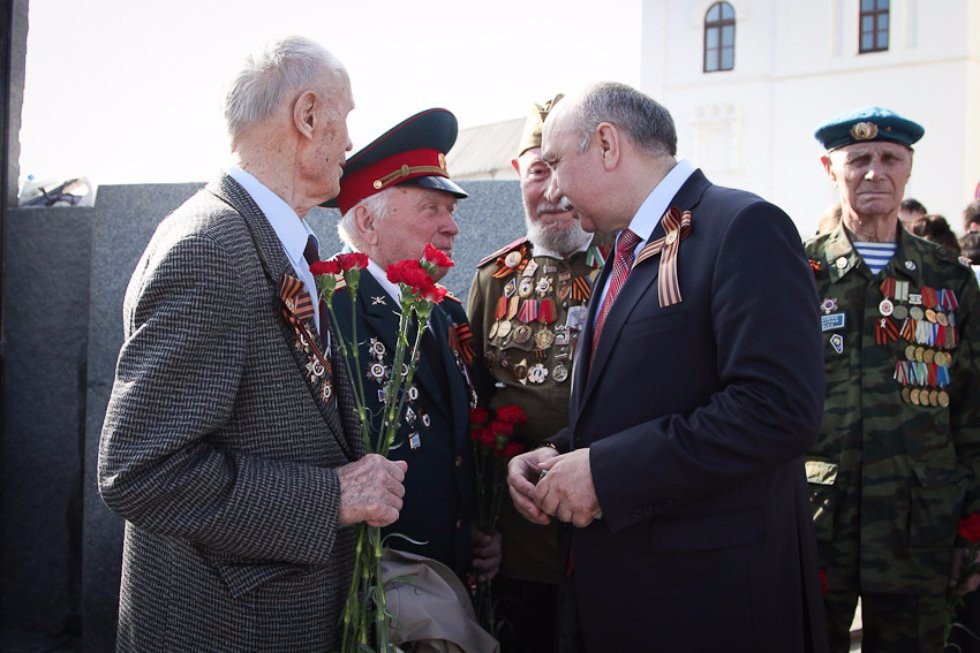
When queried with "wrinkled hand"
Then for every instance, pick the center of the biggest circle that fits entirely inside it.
(486, 554)
(371, 490)
(522, 473)
(567, 491)
(959, 559)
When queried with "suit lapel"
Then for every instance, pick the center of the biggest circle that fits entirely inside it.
(275, 264)
(636, 287)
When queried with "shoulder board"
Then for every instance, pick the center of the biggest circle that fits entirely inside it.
(503, 250)
(966, 261)
(451, 296)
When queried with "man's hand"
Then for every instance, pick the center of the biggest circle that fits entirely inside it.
(522, 473)
(371, 490)
(486, 554)
(566, 490)
(959, 560)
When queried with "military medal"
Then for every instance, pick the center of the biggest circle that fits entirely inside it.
(559, 373)
(829, 305)
(413, 393)
(525, 288)
(543, 287)
(377, 348)
(409, 416)
(910, 266)
(915, 298)
(493, 330)
(512, 307)
(504, 329)
(520, 371)
(931, 315)
(943, 398)
(900, 312)
(914, 396)
(537, 374)
(522, 334)
(837, 342)
(544, 338)
(377, 372)
(529, 311)
(916, 313)
(886, 307)
(530, 268)
(841, 262)
(513, 259)
(561, 335)
(510, 288)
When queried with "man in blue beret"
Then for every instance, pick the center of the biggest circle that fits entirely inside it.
(896, 465)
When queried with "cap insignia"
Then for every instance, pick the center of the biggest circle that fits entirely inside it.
(864, 131)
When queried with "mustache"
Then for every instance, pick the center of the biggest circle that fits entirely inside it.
(544, 206)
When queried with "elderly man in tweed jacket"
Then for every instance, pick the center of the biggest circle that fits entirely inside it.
(229, 443)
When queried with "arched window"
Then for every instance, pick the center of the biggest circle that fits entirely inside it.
(874, 25)
(719, 38)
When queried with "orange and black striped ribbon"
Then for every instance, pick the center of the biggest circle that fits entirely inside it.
(459, 339)
(677, 227)
(295, 297)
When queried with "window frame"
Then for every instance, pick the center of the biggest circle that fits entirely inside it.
(718, 26)
(875, 13)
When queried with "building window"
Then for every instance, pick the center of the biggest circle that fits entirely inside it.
(719, 38)
(874, 25)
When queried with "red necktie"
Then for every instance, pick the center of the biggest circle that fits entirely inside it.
(621, 269)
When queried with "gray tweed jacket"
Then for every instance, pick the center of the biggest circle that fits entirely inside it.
(218, 449)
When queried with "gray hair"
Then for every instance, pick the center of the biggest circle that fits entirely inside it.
(646, 122)
(269, 75)
(378, 205)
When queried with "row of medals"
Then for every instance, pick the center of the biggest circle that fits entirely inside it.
(506, 330)
(378, 372)
(924, 395)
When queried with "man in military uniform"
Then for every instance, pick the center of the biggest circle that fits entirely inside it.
(896, 465)
(396, 196)
(527, 306)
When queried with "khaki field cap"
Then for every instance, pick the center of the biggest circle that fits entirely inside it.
(531, 137)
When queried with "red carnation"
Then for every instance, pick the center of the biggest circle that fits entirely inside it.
(411, 274)
(325, 267)
(486, 437)
(511, 414)
(478, 416)
(969, 528)
(352, 261)
(436, 256)
(435, 294)
(505, 429)
(512, 449)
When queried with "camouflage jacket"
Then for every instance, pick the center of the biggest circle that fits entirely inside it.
(898, 459)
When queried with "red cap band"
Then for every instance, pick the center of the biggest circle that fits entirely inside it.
(372, 179)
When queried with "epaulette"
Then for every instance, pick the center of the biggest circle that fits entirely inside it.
(966, 261)
(503, 250)
(451, 296)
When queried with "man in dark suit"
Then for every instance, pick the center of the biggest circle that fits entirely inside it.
(396, 196)
(230, 440)
(697, 388)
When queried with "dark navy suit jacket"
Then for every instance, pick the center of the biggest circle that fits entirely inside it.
(697, 416)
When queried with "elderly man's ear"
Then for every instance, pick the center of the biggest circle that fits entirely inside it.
(365, 225)
(305, 113)
(608, 140)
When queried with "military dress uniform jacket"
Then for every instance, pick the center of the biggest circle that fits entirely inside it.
(897, 461)
(433, 438)
(219, 447)
(530, 551)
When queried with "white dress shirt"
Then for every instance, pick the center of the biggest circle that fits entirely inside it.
(292, 231)
(653, 208)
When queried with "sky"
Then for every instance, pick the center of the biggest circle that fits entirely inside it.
(125, 91)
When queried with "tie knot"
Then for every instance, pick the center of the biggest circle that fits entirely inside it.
(627, 242)
(312, 252)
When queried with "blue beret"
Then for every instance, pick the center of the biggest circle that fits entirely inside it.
(868, 124)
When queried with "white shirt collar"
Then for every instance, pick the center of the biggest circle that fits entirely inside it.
(382, 278)
(658, 201)
(293, 232)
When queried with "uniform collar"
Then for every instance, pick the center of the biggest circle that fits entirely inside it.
(840, 256)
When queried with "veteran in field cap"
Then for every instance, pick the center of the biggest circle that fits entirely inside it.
(896, 465)
(549, 271)
(396, 195)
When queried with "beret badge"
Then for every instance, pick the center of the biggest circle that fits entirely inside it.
(864, 131)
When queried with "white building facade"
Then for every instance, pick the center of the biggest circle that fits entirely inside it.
(796, 63)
